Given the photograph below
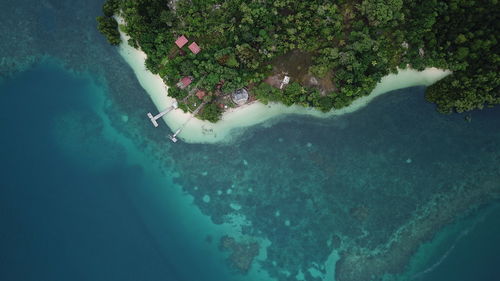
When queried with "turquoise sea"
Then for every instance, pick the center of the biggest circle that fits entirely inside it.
(90, 191)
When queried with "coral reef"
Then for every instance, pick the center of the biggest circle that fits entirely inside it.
(392, 257)
(242, 253)
(351, 188)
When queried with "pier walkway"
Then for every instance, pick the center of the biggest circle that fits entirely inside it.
(161, 114)
(173, 137)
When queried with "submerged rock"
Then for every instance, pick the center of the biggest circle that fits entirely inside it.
(242, 253)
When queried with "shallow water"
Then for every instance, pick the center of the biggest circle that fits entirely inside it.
(92, 192)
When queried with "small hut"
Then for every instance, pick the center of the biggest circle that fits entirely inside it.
(184, 82)
(285, 81)
(181, 41)
(200, 94)
(194, 48)
(240, 96)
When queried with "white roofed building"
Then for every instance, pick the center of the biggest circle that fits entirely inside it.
(240, 96)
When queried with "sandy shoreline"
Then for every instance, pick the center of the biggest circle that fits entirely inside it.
(198, 131)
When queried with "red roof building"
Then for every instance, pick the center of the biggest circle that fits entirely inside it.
(200, 94)
(194, 48)
(184, 82)
(181, 41)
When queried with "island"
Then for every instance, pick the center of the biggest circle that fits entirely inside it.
(310, 53)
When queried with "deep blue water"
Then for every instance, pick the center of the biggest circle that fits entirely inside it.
(475, 256)
(466, 251)
(79, 211)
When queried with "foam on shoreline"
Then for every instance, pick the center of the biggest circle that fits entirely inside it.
(198, 131)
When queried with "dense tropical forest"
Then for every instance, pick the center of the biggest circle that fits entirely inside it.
(333, 51)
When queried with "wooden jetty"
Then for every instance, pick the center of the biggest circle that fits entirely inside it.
(161, 114)
(173, 137)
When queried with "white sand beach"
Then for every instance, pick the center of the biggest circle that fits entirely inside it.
(198, 131)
